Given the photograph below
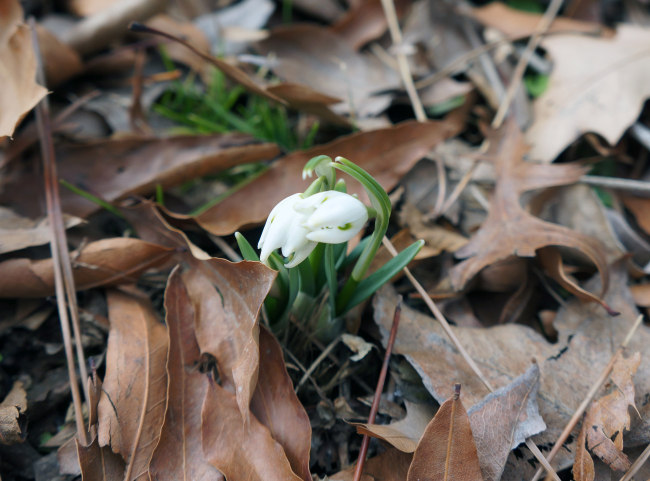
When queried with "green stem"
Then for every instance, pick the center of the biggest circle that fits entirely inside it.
(330, 271)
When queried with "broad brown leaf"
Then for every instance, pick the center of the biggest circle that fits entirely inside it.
(106, 262)
(391, 465)
(277, 407)
(20, 92)
(99, 463)
(227, 299)
(116, 168)
(587, 337)
(447, 450)
(583, 466)
(179, 454)
(509, 229)
(386, 154)
(134, 394)
(242, 452)
(597, 85)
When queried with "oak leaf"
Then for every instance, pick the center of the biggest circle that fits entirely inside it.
(509, 229)
(597, 85)
(447, 450)
(133, 401)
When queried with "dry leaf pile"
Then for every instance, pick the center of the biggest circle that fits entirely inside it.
(135, 343)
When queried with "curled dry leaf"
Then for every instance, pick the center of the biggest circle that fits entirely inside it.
(587, 337)
(583, 466)
(115, 168)
(358, 345)
(509, 229)
(391, 465)
(277, 407)
(551, 261)
(242, 452)
(447, 449)
(386, 154)
(20, 92)
(16, 397)
(17, 232)
(608, 416)
(179, 454)
(597, 85)
(227, 298)
(99, 463)
(133, 401)
(517, 23)
(107, 262)
(13, 425)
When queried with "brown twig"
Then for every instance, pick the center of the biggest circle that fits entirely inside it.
(63, 280)
(589, 397)
(518, 74)
(318, 360)
(402, 61)
(447, 328)
(380, 388)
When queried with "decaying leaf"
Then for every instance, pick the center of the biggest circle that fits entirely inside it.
(447, 449)
(13, 425)
(17, 232)
(583, 466)
(597, 85)
(608, 416)
(20, 92)
(277, 407)
(106, 262)
(357, 345)
(386, 154)
(133, 401)
(504, 420)
(113, 169)
(99, 463)
(587, 338)
(179, 454)
(242, 452)
(406, 433)
(227, 299)
(509, 229)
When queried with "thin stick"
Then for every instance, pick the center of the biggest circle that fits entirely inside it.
(518, 74)
(637, 464)
(442, 185)
(589, 397)
(380, 388)
(318, 360)
(458, 189)
(447, 328)
(402, 62)
(617, 183)
(304, 369)
(51, 196)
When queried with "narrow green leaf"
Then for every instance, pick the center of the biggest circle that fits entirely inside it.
(356, 252)
(370, 284)
(307, 283)
(330, 272)
(87, 195)
(247, 251)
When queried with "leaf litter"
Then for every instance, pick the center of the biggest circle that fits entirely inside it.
(219, 109)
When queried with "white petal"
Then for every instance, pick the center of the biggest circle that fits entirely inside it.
(280, 227)
(297, 236)
(292, 199)
(336, 235)
(310, 204)
(338, 211)
(301, 254)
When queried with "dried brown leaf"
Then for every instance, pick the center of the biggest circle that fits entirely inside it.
(19, 232)
(227, 299)
(94, 394)
(134, 394)
(509, 229)
(583, 466)
(277, 407)
(242, 452)
(13, 425)
(640, 208)
(386, 154)
(447, 450)
(517, 23)
(303, 97)
(116, 168)
(99, 463)
(597, 85)
(16, 397)
(20, 92)
(179, 454)
(434, 235)
(587, 336)
(106, 262)
(60, 61)
(391, 465)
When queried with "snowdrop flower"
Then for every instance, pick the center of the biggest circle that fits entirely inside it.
(297, 225)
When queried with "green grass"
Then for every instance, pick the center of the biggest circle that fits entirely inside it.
(219, 108)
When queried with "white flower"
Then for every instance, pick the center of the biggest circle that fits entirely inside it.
(296, 225)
